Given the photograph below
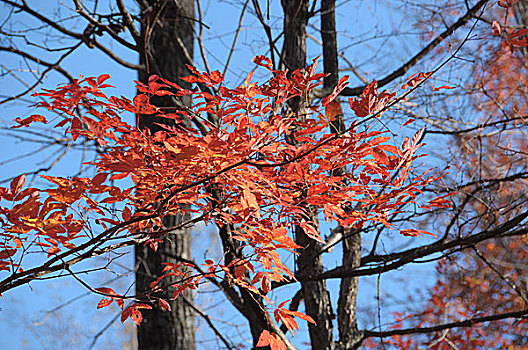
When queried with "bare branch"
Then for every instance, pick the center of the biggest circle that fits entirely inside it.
(356, 91)
(71, 34)
(466, 323)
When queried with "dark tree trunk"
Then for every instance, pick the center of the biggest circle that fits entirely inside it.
(166, 46)
(315, 294)
(349, 336)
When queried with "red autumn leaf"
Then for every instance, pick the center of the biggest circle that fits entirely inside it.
(154, 243)
(311, 231)
(62, 122)
(333, 110)
(27, 121)
(522, 40)
(380, 156)
(248, 78)
(288, 321)
(272, 340)
(17, 183)
(53, 250)
(258, 276)
(301, 316)
(249, 201)
(153, 78)
(133, 312)
(343, 82)
(76, 127)
(407, 122)
(262, 61)
(120, 302)
(18, 242)
(104, 302)
(370, 101)
(240, 272)
(102, 78)
(416, 79)
(119, 176)
(4, 254)
(265, 284)
(127, 214)
(216, 77)
(99, 179)
(106, 290)
(193, 79)
(282, 304)
(164, 305)
(143, 105)
(518, 33)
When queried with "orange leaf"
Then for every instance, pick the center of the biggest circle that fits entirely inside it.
(343, 82)
(333, 110)
(29, 120)
(120, 302)
(262, 61)
(105, 290)
(311, 231)
(53, 250)
(249, 201)
(265, 284)
(272, 340)
(127, 214)
(4, 254)
(104, 302)
(76, 127)
(240, 272)
(302, 316)
(164, 305)
(17, 184)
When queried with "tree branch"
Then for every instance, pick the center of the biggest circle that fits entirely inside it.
(466, 323)
(356, 91)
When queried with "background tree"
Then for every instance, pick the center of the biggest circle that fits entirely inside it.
(487, 277)
(164, 43)
(488, 203)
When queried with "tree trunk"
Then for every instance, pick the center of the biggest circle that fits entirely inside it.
(349, 336)
(166, 46)
(315, 294)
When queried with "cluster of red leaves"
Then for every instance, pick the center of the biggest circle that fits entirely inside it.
(265, 182)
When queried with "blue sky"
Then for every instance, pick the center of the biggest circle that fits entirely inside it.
(26, 318)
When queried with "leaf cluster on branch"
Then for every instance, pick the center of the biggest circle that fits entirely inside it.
(266, 183)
